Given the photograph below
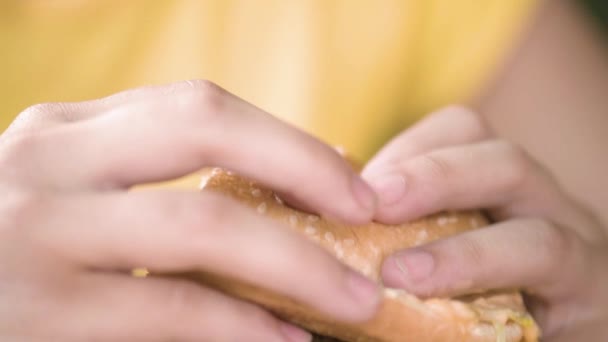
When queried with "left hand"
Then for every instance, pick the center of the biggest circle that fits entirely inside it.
(542, 241)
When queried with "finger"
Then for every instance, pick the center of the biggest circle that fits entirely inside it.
(447, 127)
(299, 205)
(487, 174)
(164, 137)
(177, 232)
(114, 307)
(520, 253)
(491, 174)
(44, 115)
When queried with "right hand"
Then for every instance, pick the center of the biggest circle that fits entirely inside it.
(70, 230)
(541, 240)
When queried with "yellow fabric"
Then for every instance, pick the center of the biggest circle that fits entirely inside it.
(353, 72)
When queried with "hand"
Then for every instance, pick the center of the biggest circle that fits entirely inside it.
(70, 232)
(542, 241)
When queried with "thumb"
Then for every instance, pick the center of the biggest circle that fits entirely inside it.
(532, 254)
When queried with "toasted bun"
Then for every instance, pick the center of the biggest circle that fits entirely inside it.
(499, 316)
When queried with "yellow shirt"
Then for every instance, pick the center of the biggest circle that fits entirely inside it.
(353, 72)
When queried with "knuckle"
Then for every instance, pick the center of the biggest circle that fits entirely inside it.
(207, 97)
(559, 241)
(517, 165)
(15, 150)
(555, 239)
(20, 209)
(555, 245)
(42, 111)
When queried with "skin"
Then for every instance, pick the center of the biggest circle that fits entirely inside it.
(543, 241)
(550, 99)
(70, 231)
(533, 153)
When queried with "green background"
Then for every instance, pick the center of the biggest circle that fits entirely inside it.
(599, 10)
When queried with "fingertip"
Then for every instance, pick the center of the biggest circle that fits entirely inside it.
(365, 196)
(392, 189)
(358, 209)
(393, 273)
(335, 191)
(402, 196)
(410, 270)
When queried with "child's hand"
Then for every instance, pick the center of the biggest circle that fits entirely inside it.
(542, 242)
(70, 231)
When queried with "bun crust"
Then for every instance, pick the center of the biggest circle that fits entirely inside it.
(498, 316)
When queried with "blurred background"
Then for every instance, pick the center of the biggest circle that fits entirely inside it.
(352, 72)
(599, 10)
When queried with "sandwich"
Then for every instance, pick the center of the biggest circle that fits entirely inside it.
(496, 316)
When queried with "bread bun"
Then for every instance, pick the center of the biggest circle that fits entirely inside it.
(492, 317)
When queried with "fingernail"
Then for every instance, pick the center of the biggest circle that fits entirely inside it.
(389, 188)
(416, 265)
(364, 290)
(293, 333)
(363, 193)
